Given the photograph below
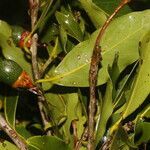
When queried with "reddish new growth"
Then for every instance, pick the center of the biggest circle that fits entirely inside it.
(22, 43)
(23, 81)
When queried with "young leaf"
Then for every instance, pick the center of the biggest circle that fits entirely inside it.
(122, 36)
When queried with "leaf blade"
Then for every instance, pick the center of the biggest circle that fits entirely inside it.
(118, 38)
(141, 85)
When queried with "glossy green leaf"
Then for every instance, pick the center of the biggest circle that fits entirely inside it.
(97, 15)
(67, 21)
(140, 88)
(46, 142)
(10, 106)
(122, 36)
(5, 145)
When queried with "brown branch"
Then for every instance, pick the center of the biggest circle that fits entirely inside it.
(41, 99)
(93, 73)
(45, 66)
(42, 103)
(75, 134)
(83, 139)
(21, 144)
(106, 144)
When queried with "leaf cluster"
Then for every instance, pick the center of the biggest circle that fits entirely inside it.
(69, 29)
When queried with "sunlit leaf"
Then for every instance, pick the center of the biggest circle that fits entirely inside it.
(122, 36)
(46, 142)
(5, 145)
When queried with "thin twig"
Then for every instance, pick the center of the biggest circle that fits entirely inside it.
(33, 50)
(21, 144)
(34, 6)
(41, 99)
(93, 73)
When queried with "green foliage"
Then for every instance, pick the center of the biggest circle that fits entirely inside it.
(10, 105)
(73, 70)
(97, 15)
(46, 142)
(7, 145)
(142, 80)
(67, 21)
(67, 32)
(109, 5)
